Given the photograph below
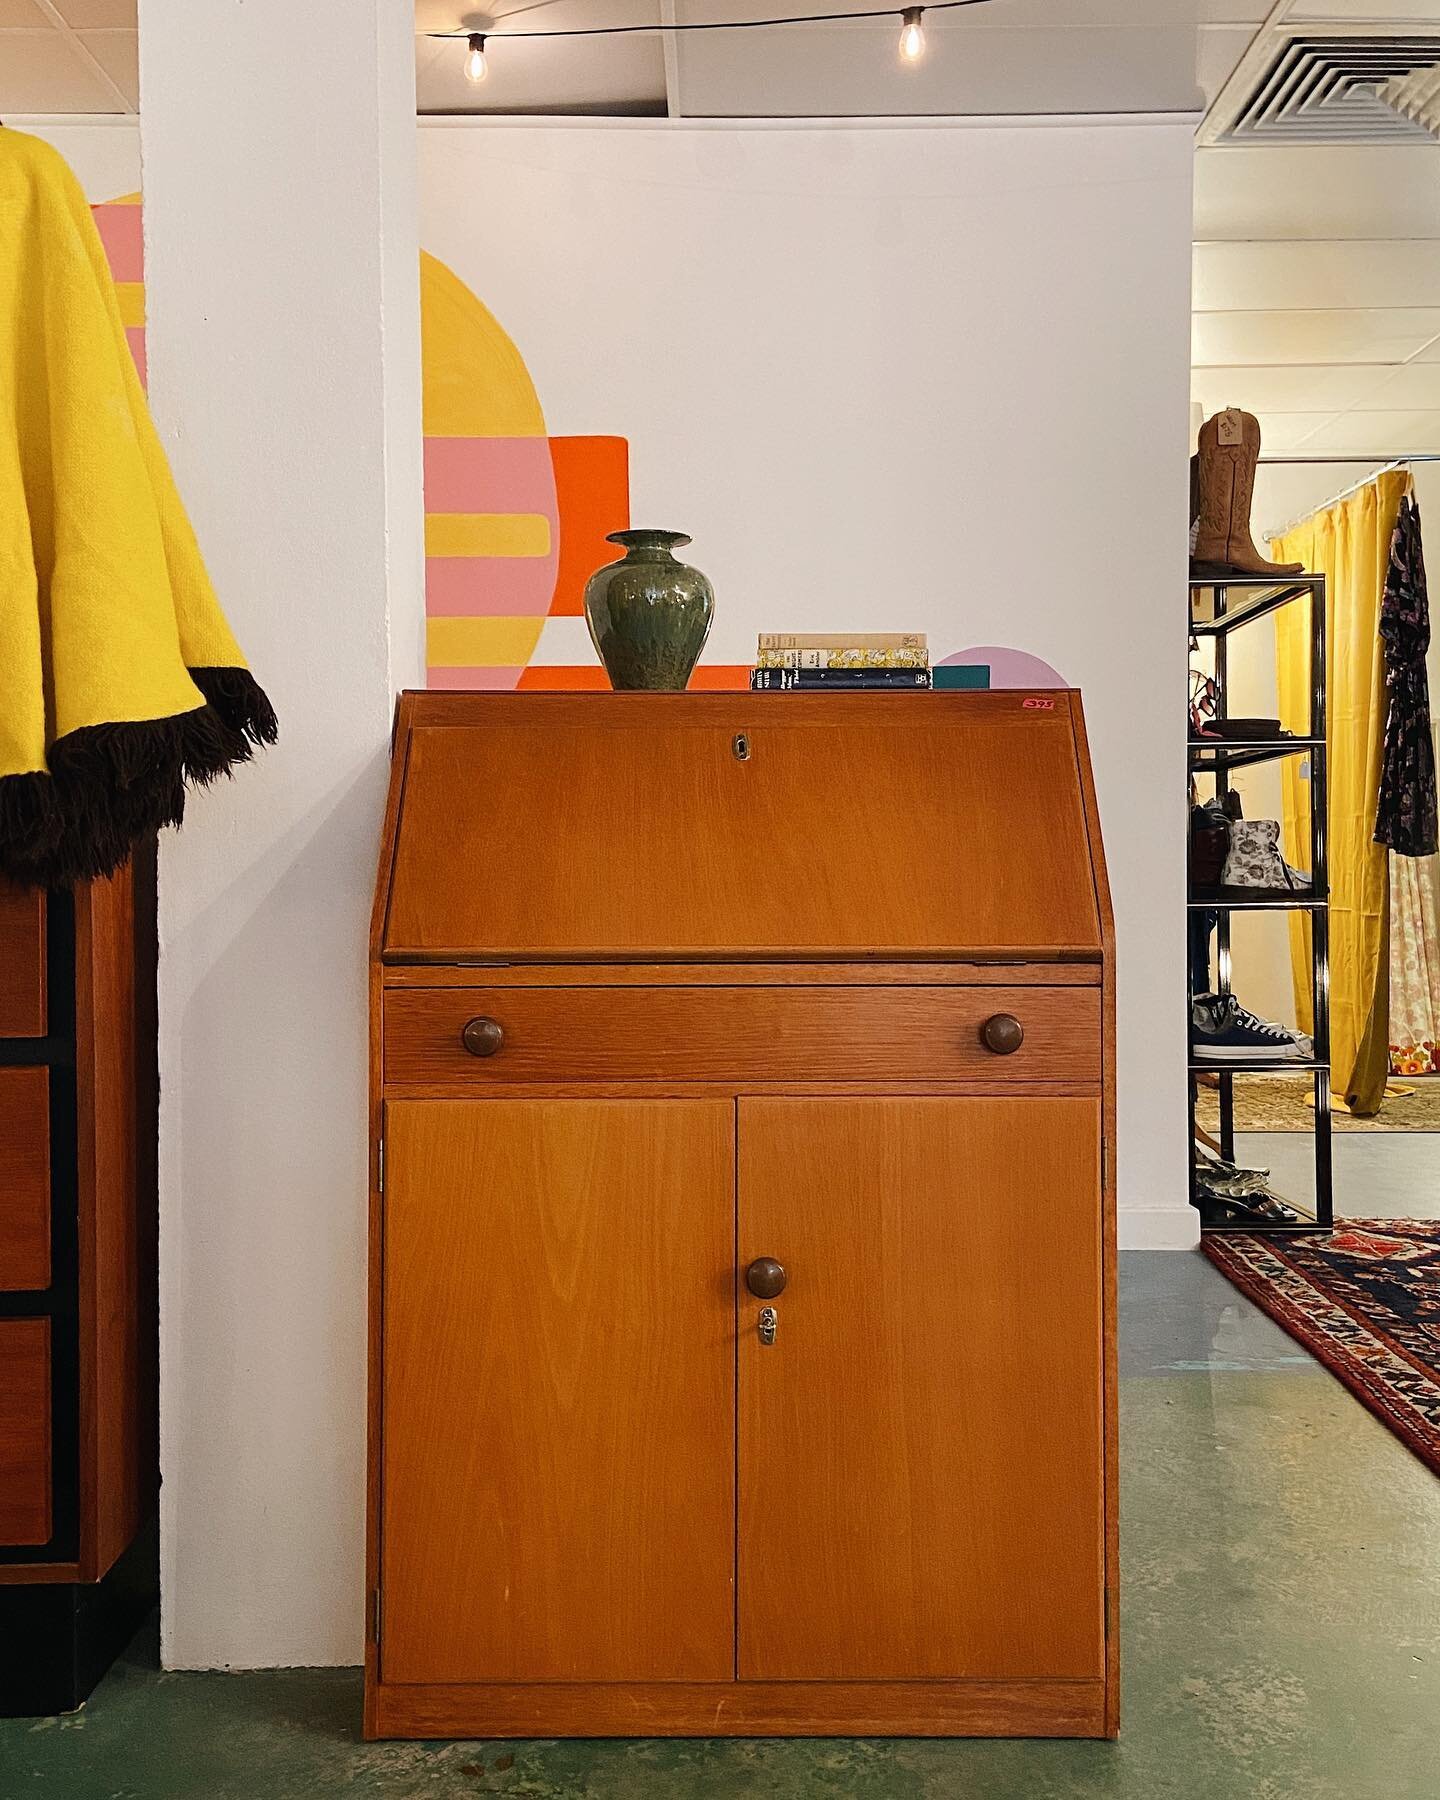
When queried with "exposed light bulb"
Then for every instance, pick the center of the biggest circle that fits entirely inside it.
(912, 34)
(475, 66)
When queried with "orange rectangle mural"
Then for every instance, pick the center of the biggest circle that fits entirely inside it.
(592, 496)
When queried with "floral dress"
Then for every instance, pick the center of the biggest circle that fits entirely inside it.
(1406, 814)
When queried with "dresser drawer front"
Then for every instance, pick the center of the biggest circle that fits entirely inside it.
(827, 1035)
(25, 1513)
(24, 1179)
(22, 961)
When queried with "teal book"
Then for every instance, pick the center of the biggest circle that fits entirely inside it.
(961, 675)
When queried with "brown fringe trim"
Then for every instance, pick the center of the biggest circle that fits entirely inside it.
(108, 786)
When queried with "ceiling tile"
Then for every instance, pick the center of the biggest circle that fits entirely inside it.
(439, 15)
(1022, 15)
(1231, 12)
(850, 71)
(118, 54)
(1385, 434)
(103, 13)
(1413, 387)
(1283, 433)
(1246, 277)
(1400, 12)
(527, 15)
(1218, 49)
(43, 74)
(1320, 191)
(1334, 336)
(1296, 388)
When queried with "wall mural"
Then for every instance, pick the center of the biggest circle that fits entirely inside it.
(515, 519)
(122, 234)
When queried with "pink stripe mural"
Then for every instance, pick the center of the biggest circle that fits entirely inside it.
(123, 235)
(512, 587)
(495, 475)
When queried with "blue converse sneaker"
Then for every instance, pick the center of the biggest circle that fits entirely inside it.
(1222, 1031)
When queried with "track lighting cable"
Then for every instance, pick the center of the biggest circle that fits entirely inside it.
(912, 30)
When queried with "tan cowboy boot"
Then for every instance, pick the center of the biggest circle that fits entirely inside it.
(1229, 452)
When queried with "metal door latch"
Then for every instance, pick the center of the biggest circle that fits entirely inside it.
(769, 1319)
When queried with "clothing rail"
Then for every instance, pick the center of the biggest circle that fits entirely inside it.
(1390, 462)
(1380, 468)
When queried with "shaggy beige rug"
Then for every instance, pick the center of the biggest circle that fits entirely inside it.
(1284, 1103)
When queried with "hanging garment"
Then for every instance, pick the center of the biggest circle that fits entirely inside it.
(119, 678)
(1414, 965)
(1405, 816)
(1349, 543)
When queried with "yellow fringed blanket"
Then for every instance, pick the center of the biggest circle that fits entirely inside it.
(119, 678)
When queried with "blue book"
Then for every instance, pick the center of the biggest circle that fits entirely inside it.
(961, 675)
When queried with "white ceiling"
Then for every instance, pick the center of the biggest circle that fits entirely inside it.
(1007, 56)
(68, 56)
(1317, 278)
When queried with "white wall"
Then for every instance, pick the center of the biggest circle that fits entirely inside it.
(929, 377)
(281, 264)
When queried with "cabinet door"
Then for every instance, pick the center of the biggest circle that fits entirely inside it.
(920, 1446)
(558, 1466)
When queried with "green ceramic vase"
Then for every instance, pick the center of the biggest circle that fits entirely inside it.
(649, 614)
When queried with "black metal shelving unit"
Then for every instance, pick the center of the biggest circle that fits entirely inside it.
(1235, 602)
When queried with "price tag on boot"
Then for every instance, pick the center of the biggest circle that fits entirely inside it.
(1230, 426)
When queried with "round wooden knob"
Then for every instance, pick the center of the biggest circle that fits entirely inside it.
(765, 1278)
(483, 1037)
(1003, 1034)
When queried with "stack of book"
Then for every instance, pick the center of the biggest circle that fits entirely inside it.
(843, 659)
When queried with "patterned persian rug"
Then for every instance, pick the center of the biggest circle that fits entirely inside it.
(1366, 1302)
(1282, 1103)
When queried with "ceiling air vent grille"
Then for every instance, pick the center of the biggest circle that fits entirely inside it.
(1323, 90)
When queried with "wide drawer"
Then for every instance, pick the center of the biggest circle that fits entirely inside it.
(24, 1178)
(24, 1431)
(22, 961)
(812, 1034)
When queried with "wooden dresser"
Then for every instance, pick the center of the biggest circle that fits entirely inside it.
(78, 1459)
(742, 1251)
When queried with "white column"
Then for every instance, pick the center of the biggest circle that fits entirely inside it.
(281, 258)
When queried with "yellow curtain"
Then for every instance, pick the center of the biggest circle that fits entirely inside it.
(1348, 543)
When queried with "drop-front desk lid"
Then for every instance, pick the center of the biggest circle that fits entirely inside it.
(719, 826)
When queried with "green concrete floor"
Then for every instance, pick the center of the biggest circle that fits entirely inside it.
(1281, 1560)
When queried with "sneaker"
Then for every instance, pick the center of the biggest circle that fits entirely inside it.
(1222, 1031)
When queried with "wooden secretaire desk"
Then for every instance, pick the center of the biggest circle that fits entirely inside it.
(742, 1260)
